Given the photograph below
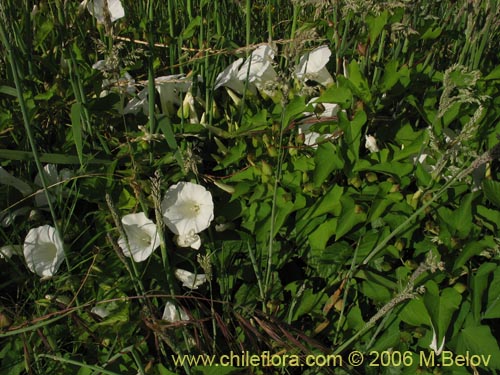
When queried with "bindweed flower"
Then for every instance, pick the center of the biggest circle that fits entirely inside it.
(170, 89)
(189, 279)
(433, 345)
(187, 208)
(142, 236)
(190, 239)
(43, 251)
(229, 78)
(115, 7)
(312, 66)
(371, 143)
(8, 250)
(173, 314)
(258, 69)
(53, 178)
(312, 138)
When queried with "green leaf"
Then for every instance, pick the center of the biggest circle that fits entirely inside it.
(327, 159)
(340, 95)
(76, 127)
(494, 74)
(492, 191)
(390, 77)
(293, 109)
(189, 31)
(480, 282)
(165, 126)
(492, 310)
(376, 25)
(471, 249)
(441, 307)
(349, 218)
(358, 82)
(319, 238)
(478, 340)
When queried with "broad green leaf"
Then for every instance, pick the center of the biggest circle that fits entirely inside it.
(327, 159)
(441, 307)
(351, 216)
(376, 24)
(415, 313)
(76, 127)
(480, 281)
(471, 249)
(390, 77)
(494, 74)
(478, 340)
(189, 31)
(319, 238)
(358, 82)
(492, 191)
(165, 126)
(293, 109)
(492, 310)
(340, 95)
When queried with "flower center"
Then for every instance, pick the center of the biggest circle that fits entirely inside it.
(190, 209)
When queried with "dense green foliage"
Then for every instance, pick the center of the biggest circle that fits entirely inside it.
(314, 249)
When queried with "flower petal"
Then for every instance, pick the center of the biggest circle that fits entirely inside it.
(173, 314)
(189, 279)
(187, 207)
(142, 237)
(96, 8)
(43, 251)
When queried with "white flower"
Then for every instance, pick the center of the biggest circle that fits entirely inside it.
(142, 236)
(173, 314)
(190, 239)
(187, 207)
(189, 279)
(371, 143)
(434, 344)
(96, 8)
(312, 66)
(7, 179)
(229, 78)
(53, 178)
(137, 103)
(170, 89)
(258, 69)
(43, 251)
(8, 250)
(100, 311)
(311, 137)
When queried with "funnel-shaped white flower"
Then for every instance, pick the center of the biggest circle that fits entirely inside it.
(43, 251)
(8, 250)
(371, 143)
(229, 78)
(170, 89)
(190, 239)
(53, 178)
(142, 236)
(312, 66)
(258, 69)
(311, 138)
(434, 344)
(173, 314)
(187, 208)
(115, 7)
(189, 279)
